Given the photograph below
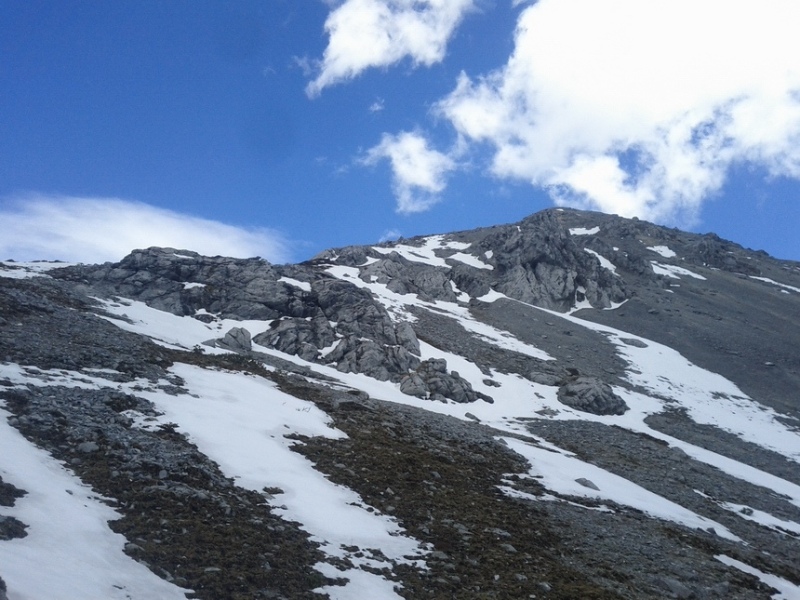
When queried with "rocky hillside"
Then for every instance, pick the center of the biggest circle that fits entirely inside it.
(573, 406)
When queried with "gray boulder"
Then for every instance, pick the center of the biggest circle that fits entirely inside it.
(413, 385)
(237, 339)
(589, 394)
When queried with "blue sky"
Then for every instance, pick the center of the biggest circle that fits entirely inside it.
(282, 128)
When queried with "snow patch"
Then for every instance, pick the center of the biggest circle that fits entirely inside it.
(783, 286)
(559, 471)
(427, 252)
(584, 231)
(472, 261)
(604, 262)
(673, 271)
(786, 590)
(69, 552)
(25, 270)
(664, 251)
(303, 285)
(223, 406)
(762, 518)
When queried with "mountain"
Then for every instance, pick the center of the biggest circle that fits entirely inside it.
(573, 406)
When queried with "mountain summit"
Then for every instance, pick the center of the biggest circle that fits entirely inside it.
(573, 406)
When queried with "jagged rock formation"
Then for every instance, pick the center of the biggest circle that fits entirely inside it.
(542, 407)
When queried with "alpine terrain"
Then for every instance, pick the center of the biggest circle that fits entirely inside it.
(573, 406)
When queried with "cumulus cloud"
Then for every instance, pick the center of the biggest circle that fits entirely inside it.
(639, 108)
(378, 33)
(419, 172)
(93, 230)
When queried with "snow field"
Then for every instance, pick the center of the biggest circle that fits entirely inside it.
(69, 552)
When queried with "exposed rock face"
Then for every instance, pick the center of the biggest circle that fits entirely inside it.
(537, 262)
(591, 395)
(405, 277)
(540, 263)
(298, 336)
(356, 355)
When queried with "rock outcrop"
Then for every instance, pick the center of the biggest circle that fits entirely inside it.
(591, 395)
(432, 381)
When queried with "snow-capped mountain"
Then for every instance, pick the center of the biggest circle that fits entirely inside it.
(573, 406)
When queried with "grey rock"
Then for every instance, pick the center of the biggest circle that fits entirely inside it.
(237, 339)
(413, 385)
(544, 378)
(11, 528)
(407, 338)
(587, 483)
(87, 447)
(302, 337)
(356, 355)
(589, 394)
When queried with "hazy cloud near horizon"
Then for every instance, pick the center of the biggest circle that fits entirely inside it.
(628, 107)
(95, 230)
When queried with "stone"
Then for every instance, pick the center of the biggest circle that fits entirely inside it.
(544, 378)
(87, 447)
(587, 483)
(237, 339)
(592, 395)
(413, 385)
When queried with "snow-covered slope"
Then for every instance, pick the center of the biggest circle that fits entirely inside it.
(574, 406)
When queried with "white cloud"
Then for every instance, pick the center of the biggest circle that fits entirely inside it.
(378, 33)
(93, 230)
(639, 108)
(419, 172)
(377, 106)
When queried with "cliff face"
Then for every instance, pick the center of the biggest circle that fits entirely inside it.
(573, 406)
